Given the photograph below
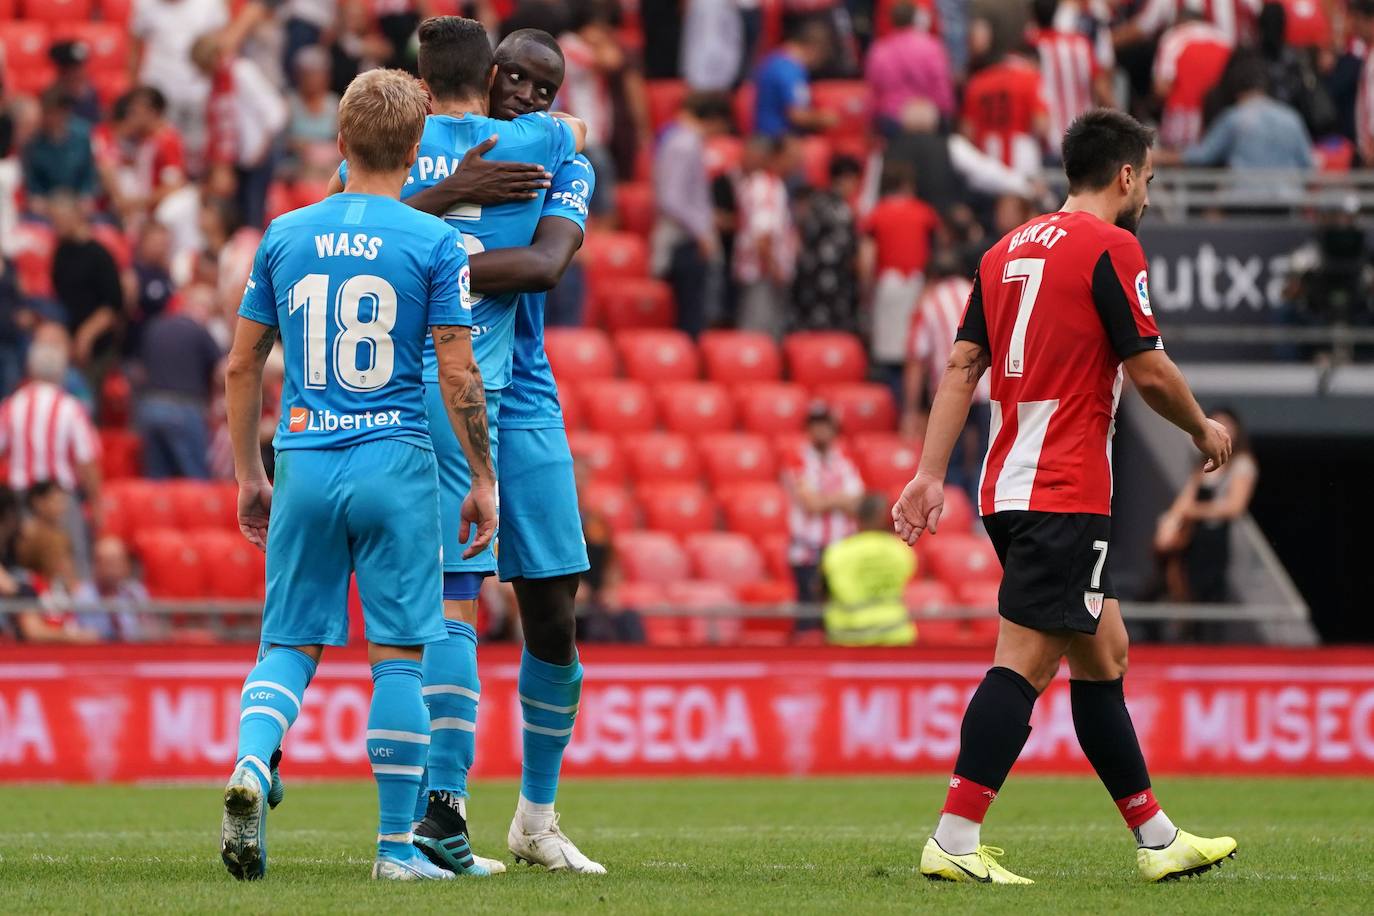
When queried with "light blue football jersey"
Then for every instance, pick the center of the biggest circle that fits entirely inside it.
(354, 284)
(531, 402)
(535, 138)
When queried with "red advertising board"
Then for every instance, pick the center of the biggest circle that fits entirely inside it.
(164, 713)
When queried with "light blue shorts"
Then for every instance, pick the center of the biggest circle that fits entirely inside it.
(370, 509)
(455, 479)
(541, 526)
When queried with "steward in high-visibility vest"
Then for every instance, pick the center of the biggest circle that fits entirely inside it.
(865, 575)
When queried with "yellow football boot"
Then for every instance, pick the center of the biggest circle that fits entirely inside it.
(1186, 855)
(980, 866)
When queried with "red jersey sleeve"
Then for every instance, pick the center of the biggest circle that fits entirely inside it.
(1121, 293)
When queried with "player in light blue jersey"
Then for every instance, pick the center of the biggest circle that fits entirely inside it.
(542, 553)
(354, 286)
(457, 66)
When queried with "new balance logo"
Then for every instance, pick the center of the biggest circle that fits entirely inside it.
(954, 782)
(1142, 799)
(302, 420)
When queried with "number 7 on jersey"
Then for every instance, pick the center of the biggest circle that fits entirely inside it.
(1029, 272)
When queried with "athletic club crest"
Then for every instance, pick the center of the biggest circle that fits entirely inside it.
(1093, 602)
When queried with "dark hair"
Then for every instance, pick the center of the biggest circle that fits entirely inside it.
(511, 42)
(1241, 441)
(708, 106)
(844, 166)
(902, 14)
(39, 491)
(1043, 11)
(896, 175)
(151, 97)
(807, 28)
(1099, 143)
(455, 57)
(1247, 72)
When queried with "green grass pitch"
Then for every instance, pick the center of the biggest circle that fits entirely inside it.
(697, 846)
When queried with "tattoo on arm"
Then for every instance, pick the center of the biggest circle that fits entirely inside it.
(446, 332)
(469, 405)
(973, 362)
(265, 342)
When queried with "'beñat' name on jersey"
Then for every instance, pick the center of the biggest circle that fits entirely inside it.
(1039, 233)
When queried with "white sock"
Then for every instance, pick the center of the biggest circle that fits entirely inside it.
(531, 817)
(1157, 831)
(957, 835)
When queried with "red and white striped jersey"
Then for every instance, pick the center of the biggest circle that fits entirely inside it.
(1058, 304)
(1364, 105)
(934, 323)
(1188, 63)
(1235, 19)
(830, 472)
(47, 435)
(1068, 67)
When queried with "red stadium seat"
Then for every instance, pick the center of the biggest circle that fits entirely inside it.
(233, 568)
(863, 408)
(651, 556)
(108, 42)
(634, 204)
(116, 11)
(773, 408)
(618, 406)
(816, 154)
(848, 99)
(699, 595)
(956, 559)
(886, 460)
(677, 508)
(638, 596)
(695, 407)
(172, 565)
(110, 85)
(734, 357)
(661, 457)
(979, 594)
(957, 517)
(657, 355)
(928, 596)
(773, 549)
(600, 453)
(8, 10)
(737, 458)
(25, 47)
(724, 155)
(631, 302)
(571, 406)
(121, 503)
(578, 355)
(612, 502)
(664, 100)
(115, 242)
(57, 11)
(824, 358)
(34, 245)
(755, 509)
(119, 454)
(204, 504)
(608, 255)
(724, 556)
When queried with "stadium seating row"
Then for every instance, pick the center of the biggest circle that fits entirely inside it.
(24, 45)
(199, 564)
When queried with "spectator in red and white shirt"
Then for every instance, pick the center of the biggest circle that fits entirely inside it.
(1362, 28)
(1005, 113)
(140, 155)
(825, 488)
(766, 239)
(1073, 72)
(933, 326)
(1191, 58)
(1233, 18)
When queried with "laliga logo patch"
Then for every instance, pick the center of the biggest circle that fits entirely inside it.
(465, 286)
(299, 417)
(1093, 602)
(1142, 293)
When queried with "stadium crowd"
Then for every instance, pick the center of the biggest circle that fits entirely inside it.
(819, 173)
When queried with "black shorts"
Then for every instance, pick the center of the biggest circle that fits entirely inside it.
(1054, 568)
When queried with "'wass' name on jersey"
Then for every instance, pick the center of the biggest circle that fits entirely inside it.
(339, 244)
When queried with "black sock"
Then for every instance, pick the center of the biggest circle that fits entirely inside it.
(1107, 736)
(995, 728)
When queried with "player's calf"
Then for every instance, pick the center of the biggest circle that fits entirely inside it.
(397, 744)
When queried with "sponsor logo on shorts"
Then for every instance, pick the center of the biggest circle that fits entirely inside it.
(327, 421)
(1093, 602)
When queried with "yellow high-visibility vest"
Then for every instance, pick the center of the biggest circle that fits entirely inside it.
(865, 575)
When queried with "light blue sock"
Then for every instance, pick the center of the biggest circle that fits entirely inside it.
(549, 695)
(422, 797)
(397, 744)
(451, 693)
(270, 702)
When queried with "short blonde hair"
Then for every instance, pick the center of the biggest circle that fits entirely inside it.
(381, 117)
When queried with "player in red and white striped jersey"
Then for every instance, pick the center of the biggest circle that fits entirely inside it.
(1234, 18)
(1057, 308)
(1362, 28)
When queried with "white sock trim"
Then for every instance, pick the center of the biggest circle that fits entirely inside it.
(454, 689)
(395, 838)
(257, 763)
(958, 835)
(266, 711)
(1157, 831)
(462, 725)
